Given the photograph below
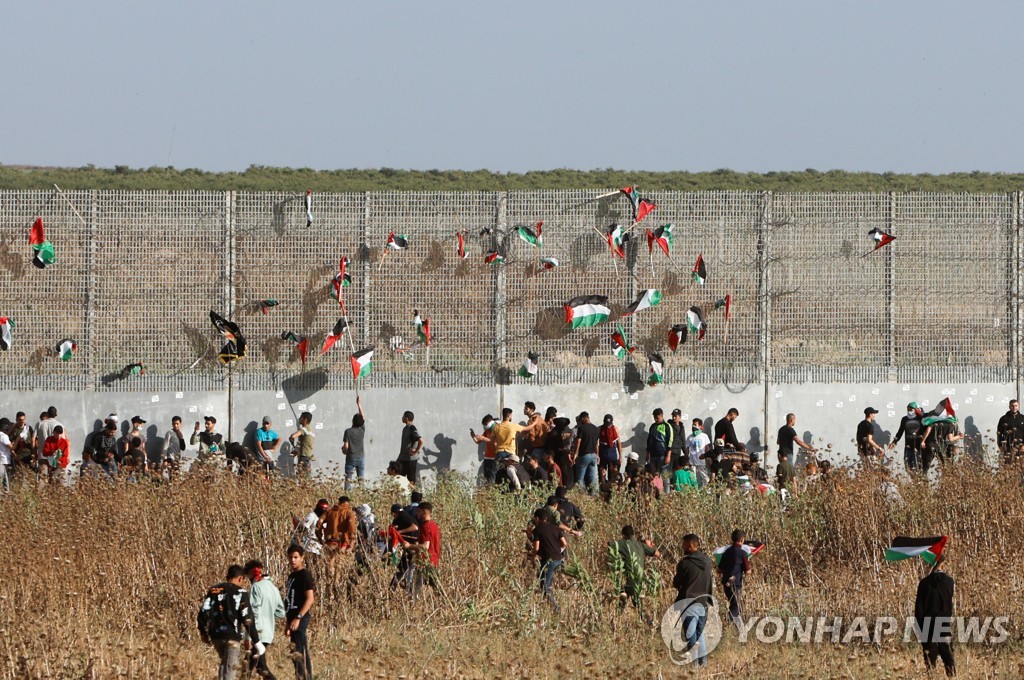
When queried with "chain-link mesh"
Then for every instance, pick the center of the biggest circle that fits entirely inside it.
(138, 272)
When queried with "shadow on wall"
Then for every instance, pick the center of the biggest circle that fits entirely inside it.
(304, 385)
(972, 440)
(753, 442)
(439, 458)
(638, 442)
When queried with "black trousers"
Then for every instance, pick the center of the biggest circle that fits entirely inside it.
(409, 469)
(258, 666)
(935, 650)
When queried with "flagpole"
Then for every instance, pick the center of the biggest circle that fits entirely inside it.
(72, 205)
(382, 256)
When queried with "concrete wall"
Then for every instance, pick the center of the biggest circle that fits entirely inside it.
(826, 414)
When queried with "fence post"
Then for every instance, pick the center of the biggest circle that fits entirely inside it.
(500, 301)
(890, 291)
(1014, 312)
(90, 291)
(229, 290)
(367, 269)
(764, 228)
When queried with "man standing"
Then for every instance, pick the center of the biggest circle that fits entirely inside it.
(267, 441)
(787, 438)
(726, 431)
(352, 446)
(535, 434)
(913, 430)
(302, 441)
(634, 554)
(104, 448)
(693, 582)
(489, 468)
(678, 437)
(1010, 433)
(339, 526)
(548, 549)
(428, 544)
(698, 447)
(585, 453)
(309, 530)
(125, 443)
(659, 443)
(299, 598)
(939, 439)
(211, 442)
(933, 610)
(267, 606)
(785, 475)
(867, 447)
(732, 567)
(6, 455)
(505, 434)
(224, 617)
(412, 444)
(174, 446)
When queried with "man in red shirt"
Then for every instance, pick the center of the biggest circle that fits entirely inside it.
(429, 546)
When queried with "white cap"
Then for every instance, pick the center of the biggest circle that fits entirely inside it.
(633, 455)
(112, 416)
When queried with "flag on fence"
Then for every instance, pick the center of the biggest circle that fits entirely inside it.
(334, 336)
(695, 320)
(725, 302)
(662, 236)
(677, 336)
(700, 271)
(460, 248)
(362, 363)
(309, 207)
(620, 343)
(6, 333)
(750, 547)
(265, 305)
(648, 298)
(397, 242)
(529, 367)
(422, 327)
(617, 240)
(881, 238)
(494, 257)
(904, 547)
(66, 349)
(132, 369)
(943, 413)
(587, 310)
(641, 207)
(234, 347)
(301, 344)
(657, 365)
(532, 236)
(43, 254)
(548, 263)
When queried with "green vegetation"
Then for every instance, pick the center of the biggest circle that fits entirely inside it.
(260, 178)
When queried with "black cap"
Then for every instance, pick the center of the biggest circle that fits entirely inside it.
(869, 410)
(211, 419)
(396, 508)
(676, 412)
(137, 419)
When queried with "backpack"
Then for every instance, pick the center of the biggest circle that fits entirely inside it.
(913, 431)
(218, 615)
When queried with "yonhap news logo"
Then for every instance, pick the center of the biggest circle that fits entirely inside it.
(691, 629)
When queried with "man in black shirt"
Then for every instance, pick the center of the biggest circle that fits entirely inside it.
(548, 548)
(933, 610)
(1010, 433)
(412, 442)
(403, 529)
(788, 437)
(725, 430)
(866, 445)
(732, 567)
(692, 581)
(571, 514)
(585, 453)
(913, 430)
(678, 436)
(224, 617)
(536, 473)
(298, 600)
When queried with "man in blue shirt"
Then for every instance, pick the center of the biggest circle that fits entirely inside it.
(732, 566)
(266, 443)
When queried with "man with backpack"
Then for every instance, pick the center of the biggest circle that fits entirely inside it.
(224, 618)
(911, 430)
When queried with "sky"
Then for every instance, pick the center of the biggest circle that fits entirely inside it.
(908, 86)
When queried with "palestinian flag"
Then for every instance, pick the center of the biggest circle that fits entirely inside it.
(641, 206)
(677, 335)
(399, 242)
(620, 343)
(649, 298)
(460, 249)
(749, 547)
(43, 254)
(309, 208)
(700, 271)
(265, 305)
(494, 257)
(943, 413)
(301, 343)
(617, 240)
(548, 263)
(880, 238)
(234, 348)
(132, 369)
(904, 547)
(362, 363)
(529, 367)
(66, 349)
(695, 320)
(37, 234)
(6, 337)
(343, 279)
(422, 327)
(532, 236)
(486, 231)
(657, 365)
(725, 302)
(587, 310)
(662, 236)
(336, 334)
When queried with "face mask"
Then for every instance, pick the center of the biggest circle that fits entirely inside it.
(489, 426)
(911, 414)
(697, 430)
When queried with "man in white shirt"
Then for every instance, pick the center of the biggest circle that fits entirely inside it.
(5, 454)
(698, 444)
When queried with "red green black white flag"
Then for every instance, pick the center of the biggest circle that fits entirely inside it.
(460, 248)
(66, 349)
(548, 263)
(397, 241)
(617, 240)
(648, 298)
(657, 365)
(904, 547)
(587, 310)
(620, 343)
(494, 257)
(301, 344)
(422, 327)
(529, 367)
(725, 302)
(234, 346)
(265, 305)
(532, 235)
(43, 253)
(880, 238)
(362, 363)
(662, 236)
(750, 547)
(677, 335)
(641, 207)
(700, 271)
(695, 320)
(334, 336)
(6, 333)
(943, 413)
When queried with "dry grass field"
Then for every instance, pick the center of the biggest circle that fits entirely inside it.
(103, 581)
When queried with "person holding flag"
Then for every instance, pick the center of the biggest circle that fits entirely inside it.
(732, 567)
(933, 612)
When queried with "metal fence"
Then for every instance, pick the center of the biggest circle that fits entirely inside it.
(137, 274)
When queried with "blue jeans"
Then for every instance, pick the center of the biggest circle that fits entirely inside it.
(300, 659)
(694, 619)
(547, 573)
(586, 471)
(355, 468)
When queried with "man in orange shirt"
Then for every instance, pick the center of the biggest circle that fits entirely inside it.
(505, 434)
(340, 523)
(55, 454)
(490, 465)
